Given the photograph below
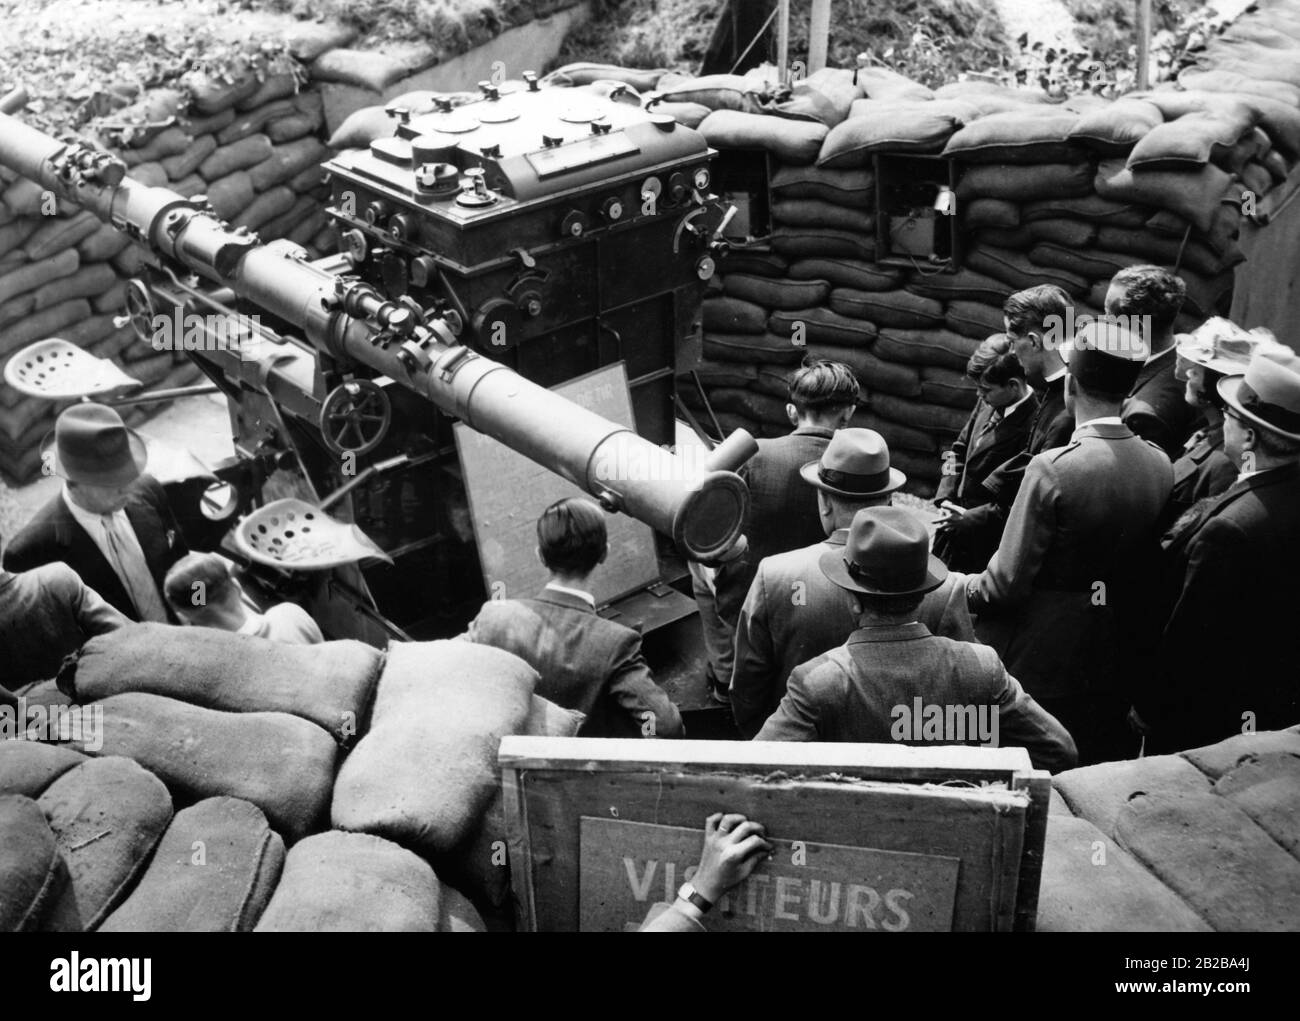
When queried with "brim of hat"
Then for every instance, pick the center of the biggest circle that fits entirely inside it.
(833, 566)
(122, 476)
(809, 474)
(1230, 388)
(1197, 356)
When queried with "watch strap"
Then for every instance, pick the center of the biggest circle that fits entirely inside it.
(693, 896)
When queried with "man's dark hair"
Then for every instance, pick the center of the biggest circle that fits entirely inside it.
(571, 536)
(209, 569)
(1037, 309)
(1108, 396)
(1149, 291)
(1272, 444)
(995, 362)
(820, 385)
(890, 606)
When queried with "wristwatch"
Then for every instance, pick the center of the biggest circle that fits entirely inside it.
(693, 896)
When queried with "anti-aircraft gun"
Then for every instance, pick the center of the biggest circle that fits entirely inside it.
(533, 237)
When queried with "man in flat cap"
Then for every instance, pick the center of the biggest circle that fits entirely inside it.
(1227, 661)
(793, 612)
(1065, 597)
(112, 523)
(892, 668)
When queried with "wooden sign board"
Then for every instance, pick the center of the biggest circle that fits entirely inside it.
(882, 838)
(508, 492)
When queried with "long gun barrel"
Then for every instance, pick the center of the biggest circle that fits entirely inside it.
(702, 510)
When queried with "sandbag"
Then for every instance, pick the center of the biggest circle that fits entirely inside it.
(274, 86)
(1025, 183)
(102, 245)
(823, 242)
(791, 141)
(167, 143)
(1016, 271)
(883, 83)
(240, 155)
(1093, 263)
(1165, 250)
(972, 89)
(925, 347)
(1086, 207)
(773, 380)
(717, 92)
(206, 124)
(1199, 79)
(965, 284)
(897, 435)
(892, 126)
(752, 404)
(352, 882)
(58, 234)
(1097, 793)
(214, 871)
(28, 767)
(41, 325)
(732, 315)
(212, 94)
(850, 186)
(1209, 852)
(817, 213)
(231, 194)
(1017, 137)
(887, 308)
(1056, 804)
(1189, 142)
(584, 73)
(1267, 788)
(362, 127)
(1223, 757)
(776, 294)
(973, 319)
(713, 373)
(17, 308)
(820, 325)
(89, 281)
(1115, 128)
(106, 814)
(861, 276)
(280, 226)
(918, 467)
(949, 387)
(203, 753)
(32, 873)
(1089, 884)
(331, 684)
(286, 161)
(826, 95)
(757, 262)
(29, 199)
(14, 233)
(189, 159)
(255, 122)
(267, 206)
(985, 212)
(1192, 194)
(426, 771)
(876, 376)
(456, 913)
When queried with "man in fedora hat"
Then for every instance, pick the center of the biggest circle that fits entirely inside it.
(111, 523)
(782, 513)
(892, 661)
(1227, 653)
(1066, 597)
(793, 612)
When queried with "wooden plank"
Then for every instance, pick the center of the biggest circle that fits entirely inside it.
(1038, 784)
(519, 850)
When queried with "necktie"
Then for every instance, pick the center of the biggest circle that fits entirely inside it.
(130, 567)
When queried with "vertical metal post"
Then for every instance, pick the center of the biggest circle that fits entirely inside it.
(783, 40)
(1144, 44)
(819, 27)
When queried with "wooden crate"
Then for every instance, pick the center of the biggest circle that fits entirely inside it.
(885, 837)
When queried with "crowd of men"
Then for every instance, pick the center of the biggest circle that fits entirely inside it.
(1110, 572)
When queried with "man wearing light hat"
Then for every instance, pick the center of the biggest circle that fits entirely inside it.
(792, 611)
(112, 523)
(892, 661)
(1067, 595)
(1228, 652)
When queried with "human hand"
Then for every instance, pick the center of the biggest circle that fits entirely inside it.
(733, 847)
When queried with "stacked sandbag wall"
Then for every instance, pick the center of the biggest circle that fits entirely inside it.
(253, 147)
(237, 783)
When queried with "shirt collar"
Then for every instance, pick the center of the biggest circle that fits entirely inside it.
(578, 593)
(1058, 374)
(1010, 408)
(1103, 420)
(814, 430)
(890, 633)
(88, 519)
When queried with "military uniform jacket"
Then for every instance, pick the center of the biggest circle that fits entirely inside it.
(1203, 470)
(1156, 408)
(851, 693)
(794, 613)
(1228, 648)
(584, 662)
(1078, 550)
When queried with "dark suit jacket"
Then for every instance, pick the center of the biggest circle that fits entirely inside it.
(782, 511)
(53, 535)
(851, 694)
(585, 662)
(1050, 426)
(1229, 645)
(1156, 408)
(1203, 470)
(794, 612)
(979, 453)
(1088, 513)
(45, 614)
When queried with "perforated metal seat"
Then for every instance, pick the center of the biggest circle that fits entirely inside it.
(293, 534)
(58, 370)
